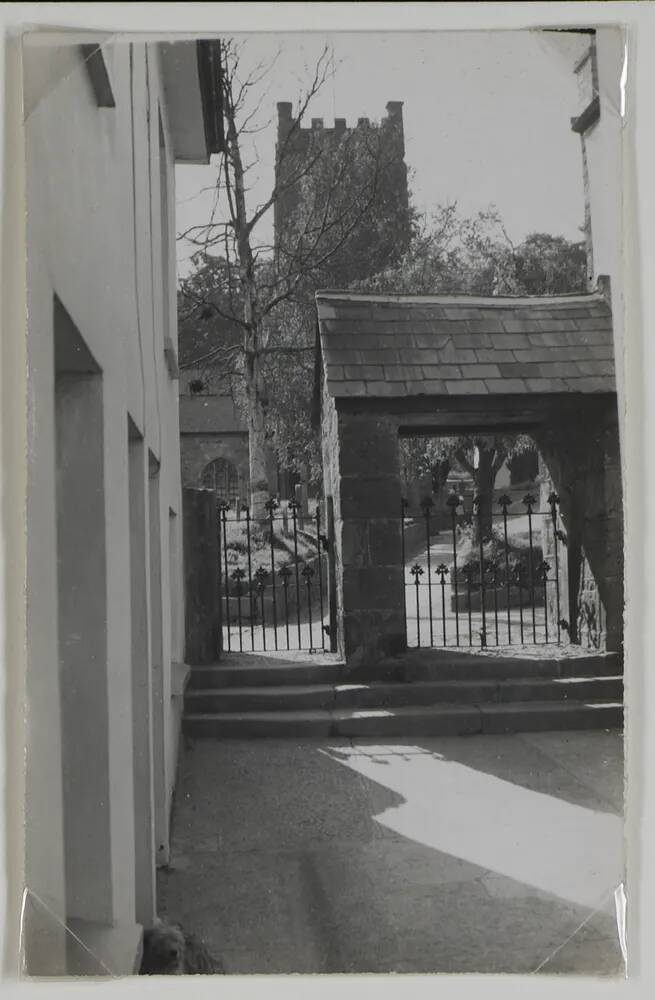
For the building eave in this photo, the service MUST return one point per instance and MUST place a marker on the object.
(210, 77)
(192, 85)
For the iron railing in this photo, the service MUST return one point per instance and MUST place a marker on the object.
(487, 580)
(273, 575)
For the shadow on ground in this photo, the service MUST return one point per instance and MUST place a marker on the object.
(489, 854)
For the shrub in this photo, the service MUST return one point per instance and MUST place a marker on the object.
(493, 551)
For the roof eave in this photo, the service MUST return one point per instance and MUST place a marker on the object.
(192, 87)
(210, 77)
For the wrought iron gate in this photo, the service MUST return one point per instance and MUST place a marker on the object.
(274, 575)
(488, 578)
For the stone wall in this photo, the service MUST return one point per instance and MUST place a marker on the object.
(197, 451)
(581, 452)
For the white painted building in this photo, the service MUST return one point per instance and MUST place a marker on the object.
(104, 126)
(598, 65)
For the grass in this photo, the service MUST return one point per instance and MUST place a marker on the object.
(260, 548)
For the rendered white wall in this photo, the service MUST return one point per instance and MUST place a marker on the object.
(95, 241)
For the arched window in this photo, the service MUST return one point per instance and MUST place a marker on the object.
(223, 476)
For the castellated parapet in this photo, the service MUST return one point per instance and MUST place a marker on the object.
(393, 122)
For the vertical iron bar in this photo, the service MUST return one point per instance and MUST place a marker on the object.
(250, 583)
(427, 503)
(294, 510)
(308, 576)
(495, 586)
(483, 634)
(453, 503)
(504, 502)
(529, 500)
(468, 600)
(442, 570)
(403, 506)
(520, 583)
(319, 544)
(545, 572)
(285, 573)
(238, 586)
(261, 574)
(227, 578)
(553, 500)
(417, 571)
(271, 505)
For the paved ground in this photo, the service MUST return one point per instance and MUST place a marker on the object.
(479, 854)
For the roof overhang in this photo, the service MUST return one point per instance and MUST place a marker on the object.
(192, 84)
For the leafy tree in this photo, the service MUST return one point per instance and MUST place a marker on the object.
(475, 256)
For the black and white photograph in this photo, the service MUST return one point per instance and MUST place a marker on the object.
(325, 503)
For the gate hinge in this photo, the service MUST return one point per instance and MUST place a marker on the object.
(327, 630)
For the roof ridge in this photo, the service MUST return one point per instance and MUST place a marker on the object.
(406, 298)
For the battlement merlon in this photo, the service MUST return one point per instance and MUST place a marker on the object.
(393, 119)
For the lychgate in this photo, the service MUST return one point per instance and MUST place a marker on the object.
(390, 365)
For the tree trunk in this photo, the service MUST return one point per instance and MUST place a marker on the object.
(259, 489)
(485, 479)
(255, 389)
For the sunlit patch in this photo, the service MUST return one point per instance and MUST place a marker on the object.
(372, 713)
(579, 680)
(536, 839)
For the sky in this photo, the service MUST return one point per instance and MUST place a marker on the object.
(486, 116)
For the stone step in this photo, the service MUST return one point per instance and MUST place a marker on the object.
(237, 670)
(436, 664)
(410, 721)
(272, 673)
(327, 696)
(284, 697)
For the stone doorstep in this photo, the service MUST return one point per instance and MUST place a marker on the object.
(301, 697)
(435, 720)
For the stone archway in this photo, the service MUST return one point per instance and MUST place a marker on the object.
(449, 365)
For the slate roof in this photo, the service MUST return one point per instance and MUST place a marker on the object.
(399, 345)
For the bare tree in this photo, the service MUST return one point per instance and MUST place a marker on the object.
(256, 278)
